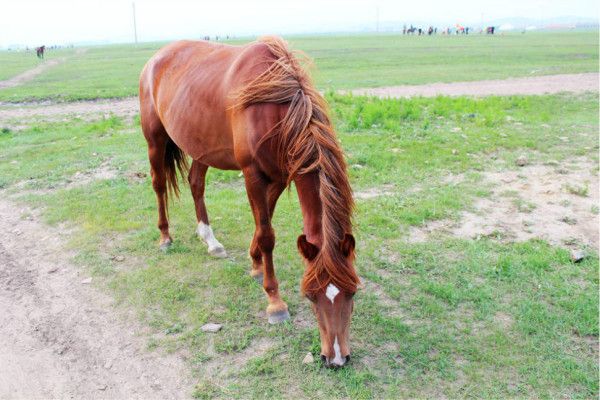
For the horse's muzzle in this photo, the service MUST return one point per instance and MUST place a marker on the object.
(329, 363)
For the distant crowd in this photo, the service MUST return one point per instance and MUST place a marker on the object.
(456, 30)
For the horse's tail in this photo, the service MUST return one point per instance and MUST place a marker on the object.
(175, 159)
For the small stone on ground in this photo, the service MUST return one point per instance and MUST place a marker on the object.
(87, 281)
(210, 327)
(577, 255)
(521, 161)
(308, 359)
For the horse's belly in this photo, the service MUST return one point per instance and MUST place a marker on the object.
(221, 159)
(215, 150)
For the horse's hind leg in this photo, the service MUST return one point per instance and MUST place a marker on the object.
(197, 184)
(157, 138)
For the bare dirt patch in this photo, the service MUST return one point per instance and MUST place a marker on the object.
(80, 179)
(59, 336)
(575, 83)
(103, 172)
(371, 193)
(557, 203)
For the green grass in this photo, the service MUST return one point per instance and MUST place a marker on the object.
(15, 62)
(446, 318)
(341, 62)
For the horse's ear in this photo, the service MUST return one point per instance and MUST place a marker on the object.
(306, 248)
(347, 245)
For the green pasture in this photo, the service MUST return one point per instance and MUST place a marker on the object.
(341, 62)
(446, 318)
(13, 63)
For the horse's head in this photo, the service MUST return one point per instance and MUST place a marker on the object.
(331, 304)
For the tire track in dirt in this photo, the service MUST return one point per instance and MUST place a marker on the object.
(60, 337)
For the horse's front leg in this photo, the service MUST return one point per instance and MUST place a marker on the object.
(274, 190)
(257, 187)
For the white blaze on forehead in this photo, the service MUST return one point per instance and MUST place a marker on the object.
(338, 354)
(331, 292)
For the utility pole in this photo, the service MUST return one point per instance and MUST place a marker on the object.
(134, 24)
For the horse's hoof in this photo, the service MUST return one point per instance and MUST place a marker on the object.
(164, 247)
(218, 252)
(279, 317)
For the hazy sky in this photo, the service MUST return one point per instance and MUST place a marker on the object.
(35, 22)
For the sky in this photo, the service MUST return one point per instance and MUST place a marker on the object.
(30, 22)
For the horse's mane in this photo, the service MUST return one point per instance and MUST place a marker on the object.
(306, 143)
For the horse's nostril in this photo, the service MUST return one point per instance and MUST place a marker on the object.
(323, 358)
(348, 358)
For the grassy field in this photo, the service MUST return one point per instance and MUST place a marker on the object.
(448, 317)
(13, 63)
(342, 62)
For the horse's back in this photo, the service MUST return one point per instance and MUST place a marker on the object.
(188, 85)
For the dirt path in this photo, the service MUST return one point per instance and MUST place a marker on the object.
(50, 111)
(59, 336)
(12, 114)
(30, 74)
(534, 85)
(129, 107)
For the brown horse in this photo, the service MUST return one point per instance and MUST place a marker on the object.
(39, 51)
(254, 108)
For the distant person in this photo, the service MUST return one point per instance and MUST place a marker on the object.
(404, 30)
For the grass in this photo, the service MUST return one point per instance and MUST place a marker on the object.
(342, 62)
(16, 62)
(579, 190)
(445, 318)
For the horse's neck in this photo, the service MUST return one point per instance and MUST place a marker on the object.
(308, 193)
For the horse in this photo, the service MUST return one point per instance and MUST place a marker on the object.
(39, 51)
(254, 108)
